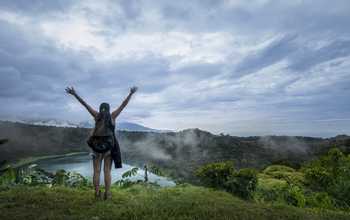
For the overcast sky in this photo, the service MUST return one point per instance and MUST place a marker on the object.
(240, 67)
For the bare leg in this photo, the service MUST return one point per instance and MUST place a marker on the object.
(107, 173)
(97, 160)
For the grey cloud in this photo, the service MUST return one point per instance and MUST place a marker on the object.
(34, 70)
(35, 7)
(308, 57)
(34, 73)
(274, 52)
(131, 8)
(10, 78)
(199, 71)
(301, 57)
(154, 70)
(245, 18)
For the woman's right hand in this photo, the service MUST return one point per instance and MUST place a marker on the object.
(71, 90)
(133, 89)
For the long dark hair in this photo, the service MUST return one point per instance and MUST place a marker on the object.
(105, 114)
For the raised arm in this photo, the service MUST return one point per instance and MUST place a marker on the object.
(72, 92)
(116, 112)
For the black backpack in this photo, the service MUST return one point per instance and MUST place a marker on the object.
(103, 139)
(101, 144)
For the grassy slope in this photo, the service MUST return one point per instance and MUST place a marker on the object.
(140, 202)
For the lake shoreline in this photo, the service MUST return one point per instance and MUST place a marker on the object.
(29, 160)
(81, 162)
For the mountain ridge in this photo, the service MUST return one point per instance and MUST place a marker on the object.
(179, 153)
(123, 125)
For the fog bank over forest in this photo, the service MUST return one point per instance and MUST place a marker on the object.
(178, 152)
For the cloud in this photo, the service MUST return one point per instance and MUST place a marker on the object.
(310, 57)
(275, 51)
(239, 67)
(292, 144)
(35, 7)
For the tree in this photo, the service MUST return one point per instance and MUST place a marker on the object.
(331, 173)
(215, 174)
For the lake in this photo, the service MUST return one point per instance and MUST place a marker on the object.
(82, 164)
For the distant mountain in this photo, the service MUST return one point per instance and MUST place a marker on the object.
(126, 126)
(50, 122)
(86, 124)
(129, 126)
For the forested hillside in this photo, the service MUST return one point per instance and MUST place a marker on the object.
(178, 153)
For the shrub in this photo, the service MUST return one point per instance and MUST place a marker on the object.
(270, 189)
(318, 178)
(71, 179)
(280, 191)
(75, 179)
(285, 173)
(215, 174)
(8, 177)
(60, 177)
(295, 196)
(277, 168)
(223, 176)
(320, 200)
(242, 183)
(32, 175)
(341, 191)
(130, 173)
(331, 174)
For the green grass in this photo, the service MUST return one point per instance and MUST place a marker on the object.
(143, 202)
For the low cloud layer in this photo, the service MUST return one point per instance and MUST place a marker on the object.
(239, 67)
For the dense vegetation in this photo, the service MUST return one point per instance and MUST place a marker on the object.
(143, 202)
(32, 193)
(323, 183)
(272, 184)
(179, 154)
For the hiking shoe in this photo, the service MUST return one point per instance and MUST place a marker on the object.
(98, 195)
(107, 195)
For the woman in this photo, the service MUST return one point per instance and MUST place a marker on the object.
(103, 141)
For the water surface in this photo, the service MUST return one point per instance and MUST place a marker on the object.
(82, 164)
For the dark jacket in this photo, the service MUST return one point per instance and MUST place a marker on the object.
(115, 153)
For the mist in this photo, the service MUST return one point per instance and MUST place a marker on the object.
(284, 143)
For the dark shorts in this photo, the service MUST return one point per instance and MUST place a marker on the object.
(95, 154)
(101, 144)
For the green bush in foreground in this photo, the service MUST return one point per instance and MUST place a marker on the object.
(242, 183)
(279, 191)
(34, 176)
(222, 175)
(216, 174)
(8, 177)
(323, 183)
(281, 184)
(331, 174)
(270, 190)
(295, 196)
(285, 173)
(320, 200)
